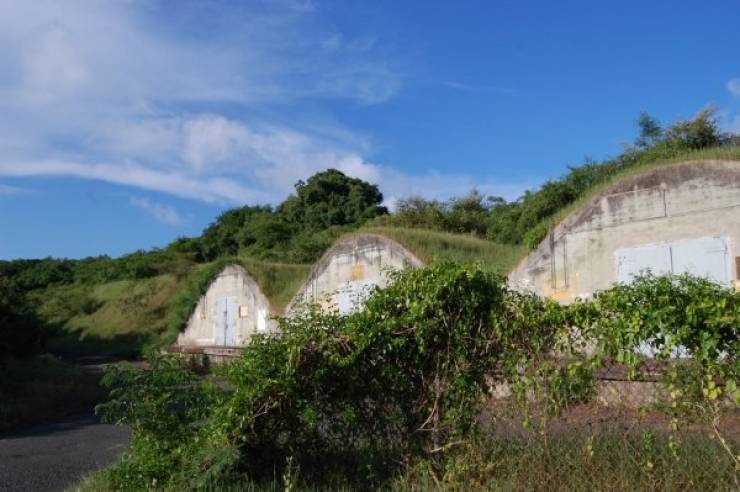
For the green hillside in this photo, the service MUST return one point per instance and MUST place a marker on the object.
(115, 318)
(119, 316)
(119, 305)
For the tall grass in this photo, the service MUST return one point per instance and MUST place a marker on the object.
(278, 281)
(433, 245)
(606, 461)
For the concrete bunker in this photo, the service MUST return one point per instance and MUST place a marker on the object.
(348, 272)
(232, 310)
(677, 218)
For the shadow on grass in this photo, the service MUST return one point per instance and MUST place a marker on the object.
(43, 389)
(74, 345)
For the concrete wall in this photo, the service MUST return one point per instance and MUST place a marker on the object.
(252, 311)
(346, 273)
(670, 210)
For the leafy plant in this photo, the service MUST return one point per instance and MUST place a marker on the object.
(351, 401)
(163, 405)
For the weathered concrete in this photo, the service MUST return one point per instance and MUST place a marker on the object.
(233, 298)
(683, 218)
(350, 270)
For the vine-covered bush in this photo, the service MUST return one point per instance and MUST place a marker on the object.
(688, 325)
(355, 400)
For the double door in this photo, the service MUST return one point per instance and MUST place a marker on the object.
(225, 321)
(705, 257)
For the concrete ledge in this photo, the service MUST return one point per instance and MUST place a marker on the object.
(215, 354)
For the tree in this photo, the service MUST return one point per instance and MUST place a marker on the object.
(698, 133)
(468, 214)
(226, 235)
(331, 198)
(650, 130)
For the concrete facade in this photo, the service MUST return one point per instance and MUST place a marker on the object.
(350, 270)
(229, 313)
(676, 218)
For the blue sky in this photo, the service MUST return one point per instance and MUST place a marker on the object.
(125, 124)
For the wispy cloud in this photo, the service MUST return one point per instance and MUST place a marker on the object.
(11, 190)
(207, 111)
(166, 214)
(733, 85)
(461, 86)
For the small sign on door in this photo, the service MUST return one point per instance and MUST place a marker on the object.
(243, 311)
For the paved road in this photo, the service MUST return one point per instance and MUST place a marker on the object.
(54, 456)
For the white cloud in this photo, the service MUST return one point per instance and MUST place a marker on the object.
(206, 111)
(165, 214)
(734, 87)
(212, 190)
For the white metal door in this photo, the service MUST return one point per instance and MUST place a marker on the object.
(351, 295)
(632, 261)
(225, 321)
(704, 257)
(230, 327)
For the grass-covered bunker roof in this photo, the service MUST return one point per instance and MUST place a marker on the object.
(678, 217)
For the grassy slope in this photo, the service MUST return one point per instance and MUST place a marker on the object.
(121, 317)
(433, 245)
(279, 281)
(115, 318)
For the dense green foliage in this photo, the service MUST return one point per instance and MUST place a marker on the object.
(300, 228)
(34, 274)
(401, 385)
(526, 219)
